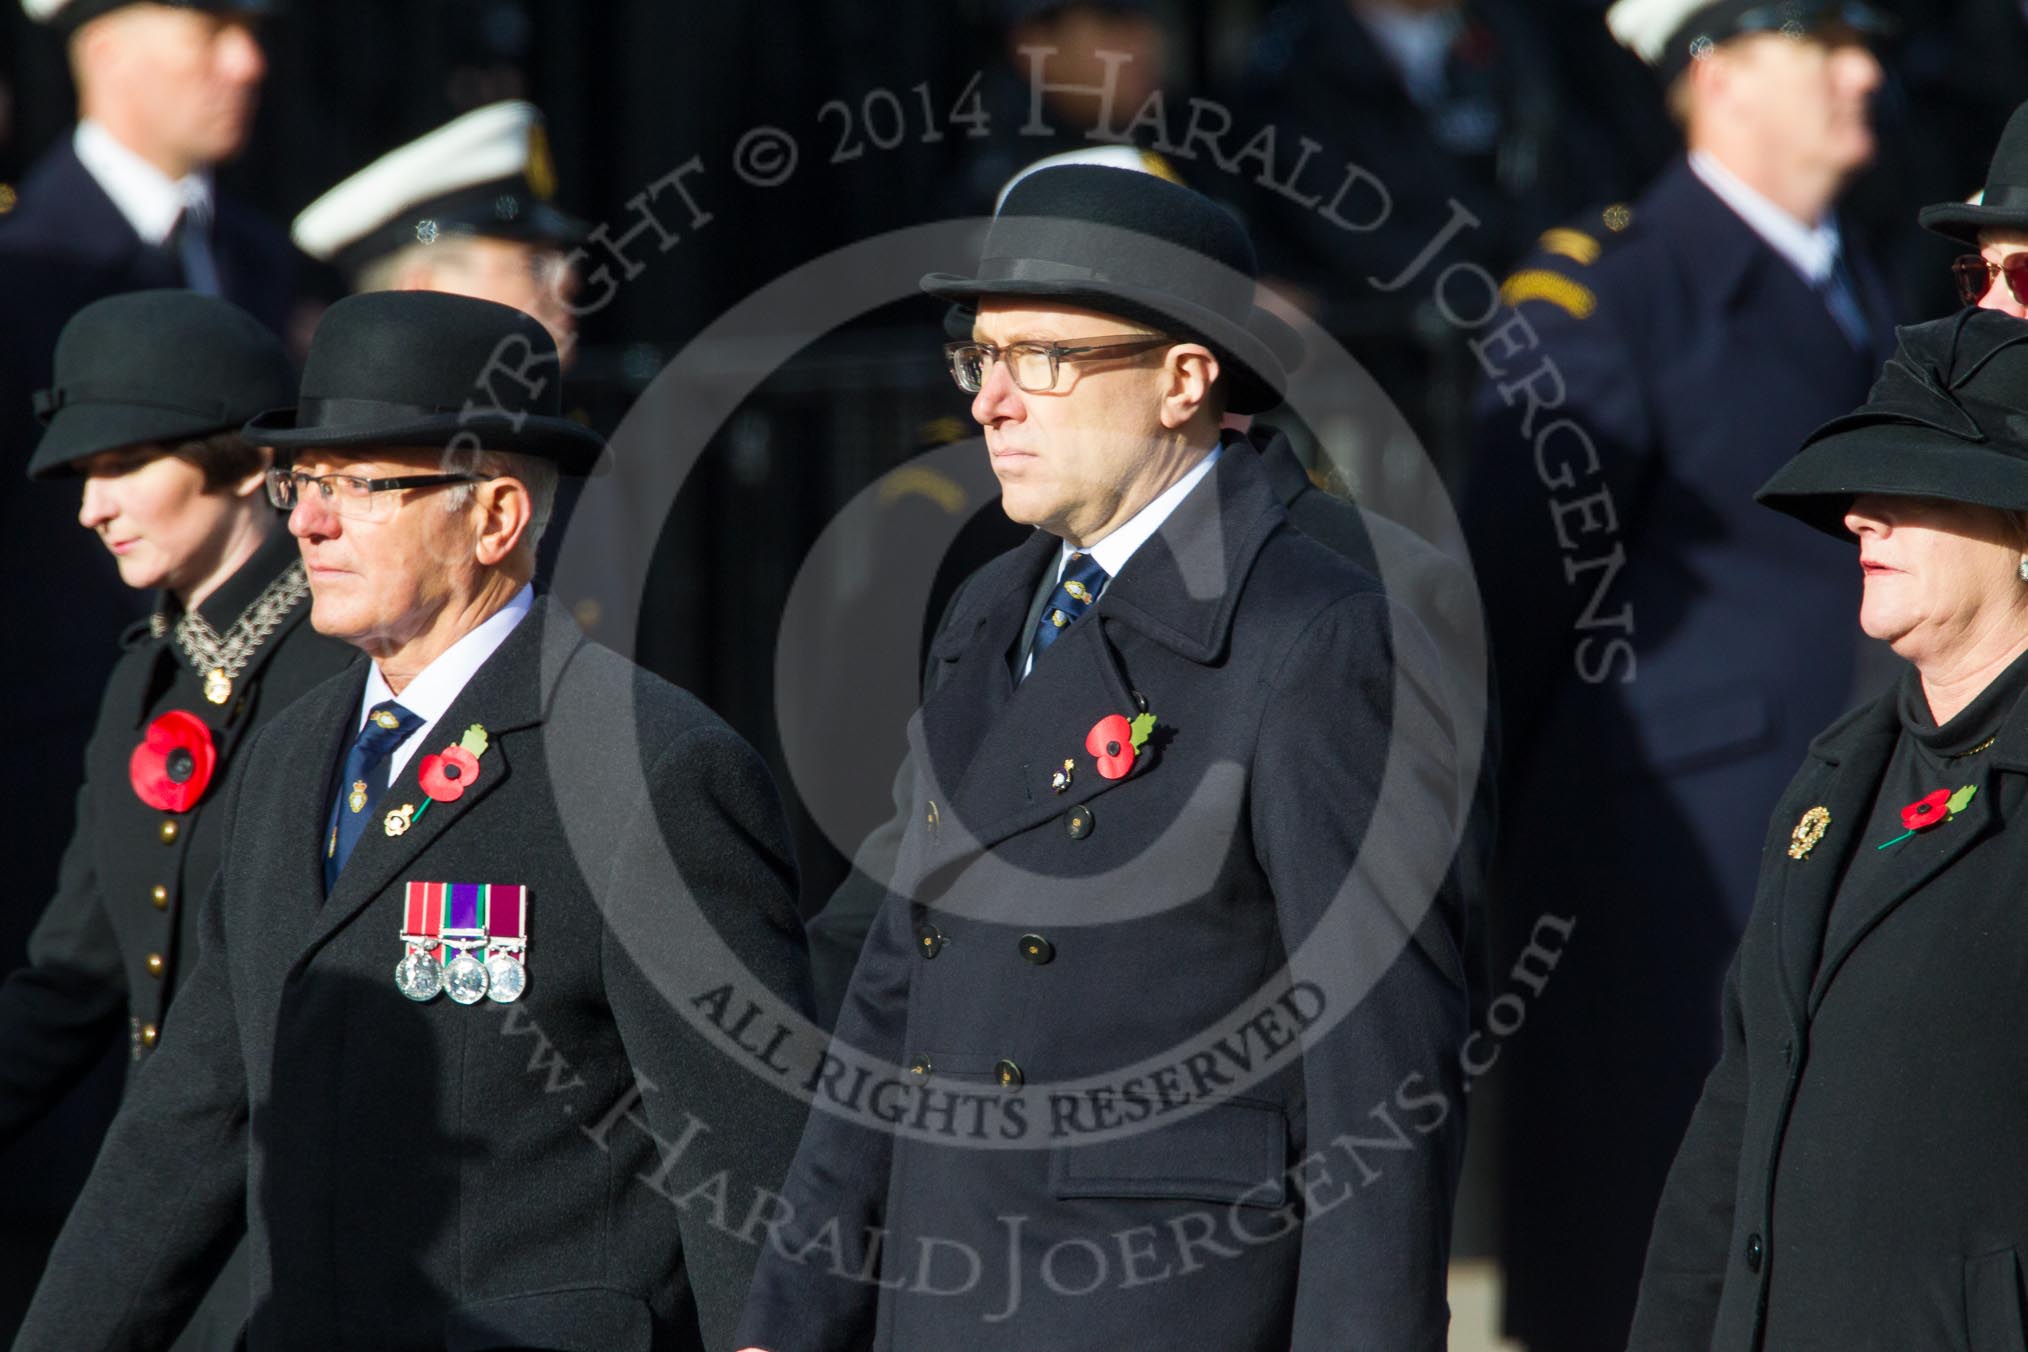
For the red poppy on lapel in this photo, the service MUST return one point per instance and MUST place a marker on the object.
(1927, 810)
(446, 775)
(1111, 741)
(172, 766)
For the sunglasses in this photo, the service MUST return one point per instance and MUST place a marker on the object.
(1975, 276)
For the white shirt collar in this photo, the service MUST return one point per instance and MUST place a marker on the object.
(431, 694)
(1113, 552)
(1810, 250)
(149, 199)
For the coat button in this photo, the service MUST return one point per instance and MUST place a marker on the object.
(929, 941)
(150, 1034)
(1079, 822)
(1007, 1073)
(1036, 949)
(1753, 1252)
(169, 830)
(1788, 1051)
(920, 1067)
(159, 895)
(155, 964)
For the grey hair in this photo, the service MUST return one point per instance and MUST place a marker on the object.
(537, 475)
(386, 272)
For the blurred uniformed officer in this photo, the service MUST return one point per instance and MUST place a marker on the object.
(151, 389)
(1080, 895)
(465, 209)
(1665, 652)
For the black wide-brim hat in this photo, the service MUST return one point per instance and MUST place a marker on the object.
(1948, 419)
(154, 368)
(2004, 202)
(1137, 246)
(425, 369)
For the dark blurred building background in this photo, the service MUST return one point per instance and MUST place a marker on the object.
(1528, 116)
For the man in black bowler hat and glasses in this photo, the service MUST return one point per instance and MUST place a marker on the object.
(492, 840)
(1171, 928)
(1995, 222)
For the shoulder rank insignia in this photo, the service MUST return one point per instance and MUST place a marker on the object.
(1572, 297)
(1575, 245)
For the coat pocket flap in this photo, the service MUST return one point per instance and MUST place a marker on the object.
(1235, 1151)
(582, 1319)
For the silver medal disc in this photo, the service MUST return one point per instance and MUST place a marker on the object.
(419, 976)
(506, 978)
(465, 979)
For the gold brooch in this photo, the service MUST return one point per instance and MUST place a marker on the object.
(398, 820)
(1809, 831)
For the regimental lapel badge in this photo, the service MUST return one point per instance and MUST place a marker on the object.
(1809, 831)
(444, 776)
(445, 924)
(1060, 781)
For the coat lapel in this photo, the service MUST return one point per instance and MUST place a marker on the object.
(507, 694)
(1851, 756)
(1179, 589)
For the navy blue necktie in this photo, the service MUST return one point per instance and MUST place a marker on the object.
(363, 780)
(192, 238)
(1082, 582)
(1841, 297)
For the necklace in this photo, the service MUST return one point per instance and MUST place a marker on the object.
(1960, 755)
(219, 658)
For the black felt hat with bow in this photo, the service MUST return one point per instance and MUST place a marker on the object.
(1947, 419)
(2003, 204)
(154, 368)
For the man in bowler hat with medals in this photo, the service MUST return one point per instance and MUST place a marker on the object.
(434, 1056)
(1179, 781)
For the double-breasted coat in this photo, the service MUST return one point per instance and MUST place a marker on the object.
(565, 1172)
(119, 937)
(1124, 1031)
(1856, 1173)
(1666, 649)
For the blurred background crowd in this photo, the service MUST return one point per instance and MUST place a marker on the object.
(1526, 115)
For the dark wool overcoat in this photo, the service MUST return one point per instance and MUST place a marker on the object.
(1135, 1036)
(566, 1172)
(119, 937)
(1855, 1176)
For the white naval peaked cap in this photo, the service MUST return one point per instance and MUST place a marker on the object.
(487, 172)
(1645, 26)
(72, 14)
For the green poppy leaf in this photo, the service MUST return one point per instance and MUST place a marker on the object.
(474, 740)
(1143, 724)
(1962, 797)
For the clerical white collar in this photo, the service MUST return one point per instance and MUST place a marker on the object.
(1119, 545)
(1810, 250)
(430, 695)
(151, 201)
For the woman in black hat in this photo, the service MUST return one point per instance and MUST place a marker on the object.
(150, 391)
(1856, 1174)
(1995, 223)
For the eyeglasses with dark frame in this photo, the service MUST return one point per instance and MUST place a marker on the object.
(1975, 276)
(352, 495)
(1033, 366)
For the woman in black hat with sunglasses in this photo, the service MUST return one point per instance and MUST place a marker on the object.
(1856, 1173)
(150, 391)
(1995, 222)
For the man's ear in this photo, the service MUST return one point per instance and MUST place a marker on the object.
(505, 511)
(255, 480)
(1189, 370)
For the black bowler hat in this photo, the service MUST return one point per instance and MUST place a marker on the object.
(2004, 203)
(424, 368)
(148, 367)
(1947, 419)
(67, 16)
(1137, 246)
